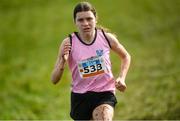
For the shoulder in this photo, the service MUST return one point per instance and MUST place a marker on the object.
(112, 38)
(107, 33)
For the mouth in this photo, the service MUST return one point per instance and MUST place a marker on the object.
(87, 29)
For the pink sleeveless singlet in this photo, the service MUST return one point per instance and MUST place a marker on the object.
(90, 64)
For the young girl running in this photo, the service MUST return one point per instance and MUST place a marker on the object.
(87, 54)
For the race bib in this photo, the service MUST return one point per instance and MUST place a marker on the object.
(91, 67)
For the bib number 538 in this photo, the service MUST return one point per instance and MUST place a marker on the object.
(92, 68)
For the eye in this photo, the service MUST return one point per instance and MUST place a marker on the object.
(89, 19)
(80, 20)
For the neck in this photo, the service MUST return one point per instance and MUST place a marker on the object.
(87, 38)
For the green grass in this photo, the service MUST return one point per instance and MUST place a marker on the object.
(30, 34)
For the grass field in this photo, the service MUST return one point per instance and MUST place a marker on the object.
(30, 34)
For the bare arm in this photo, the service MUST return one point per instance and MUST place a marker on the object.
(124, 56)
(61, 61)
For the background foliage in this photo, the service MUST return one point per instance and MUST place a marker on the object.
(30, 34)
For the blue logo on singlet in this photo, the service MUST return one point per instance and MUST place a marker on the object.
(90, 63)
(99, 52)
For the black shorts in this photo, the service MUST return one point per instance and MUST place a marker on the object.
(82, 105)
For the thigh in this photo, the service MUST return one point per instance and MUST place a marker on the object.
(103, 112)
(79, 107)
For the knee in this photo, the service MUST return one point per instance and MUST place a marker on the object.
(103, 112)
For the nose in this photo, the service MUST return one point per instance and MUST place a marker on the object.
(85, 22)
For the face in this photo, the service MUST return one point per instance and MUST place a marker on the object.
(85, 22)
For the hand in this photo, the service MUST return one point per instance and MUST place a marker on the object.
(66, 50)
(120, 84)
